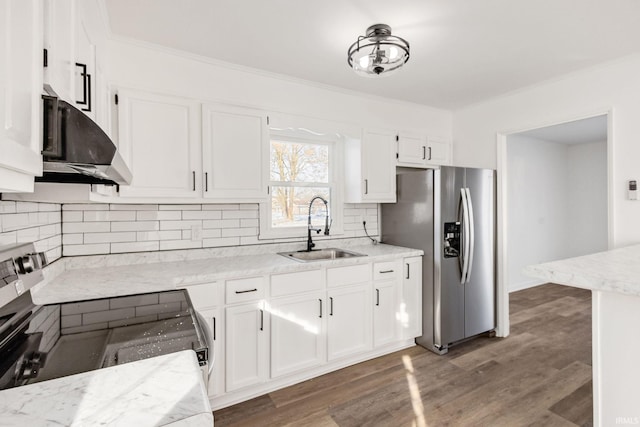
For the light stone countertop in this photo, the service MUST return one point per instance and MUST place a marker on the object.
(101, 279)
(158, 391)
(617, 270)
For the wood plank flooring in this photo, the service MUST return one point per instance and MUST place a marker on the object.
(539, 376)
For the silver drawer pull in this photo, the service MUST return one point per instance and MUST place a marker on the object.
(386, 271)
(247, 291)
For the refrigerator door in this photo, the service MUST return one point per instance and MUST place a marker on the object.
(480, 287)
(449, 291)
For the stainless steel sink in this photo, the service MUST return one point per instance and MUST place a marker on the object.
(320, 254)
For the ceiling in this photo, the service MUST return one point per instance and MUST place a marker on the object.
(593, 129)
(462, 51)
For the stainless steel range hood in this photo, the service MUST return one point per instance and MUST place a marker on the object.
(76, 149)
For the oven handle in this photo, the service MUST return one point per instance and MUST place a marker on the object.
(208, 342)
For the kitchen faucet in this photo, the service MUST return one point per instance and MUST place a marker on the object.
(310, 228)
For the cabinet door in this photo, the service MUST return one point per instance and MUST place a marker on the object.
(159, 138)
(438, 151)
(412, 150)
(20, 89)
(411, 301)
(60, 35)
(349, 321)
(385, 312)
(234, 152)
(213, 323)
(246, 350)
(379, 167)
(297, 338)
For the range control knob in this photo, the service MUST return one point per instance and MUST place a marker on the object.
(25, 264)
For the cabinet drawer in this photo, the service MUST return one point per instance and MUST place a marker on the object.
(295, 283)
(386, 270)
(352, 274)
(247, 289)
(205, 295)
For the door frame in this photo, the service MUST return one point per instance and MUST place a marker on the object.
(502, 303)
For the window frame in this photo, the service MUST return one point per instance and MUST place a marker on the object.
(304, 136)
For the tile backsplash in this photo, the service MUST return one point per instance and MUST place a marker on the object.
(92, 229)
(32, 222)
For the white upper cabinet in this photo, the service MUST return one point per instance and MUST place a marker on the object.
(159, 138)
(234, 146)
(370, 171)
(20, 90)
(416, 150)
(60, 41)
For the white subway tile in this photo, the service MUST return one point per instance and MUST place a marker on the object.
(123, 236)
(28, 234)
(26, 207)
(135, 226)
(133, 321)
(249, 223)
(72, 216)
(118, 207)
(71, 321)
(134, 247)
(209, 233)
(95, 249)
(54, 254)
(249, 206)
(166, 245)
(233, 232)
(49, 207)
(47, 231)
(11, 222)
(8, 238)
(110, 215)
(158, 215)
(221, 223)
(54, 217)
(239, 214)
(144, 236)
(166, 297)
(72, 239)
(7, 207)
(85, 227)
(219, 207)
(85, 207)
(178, 225)
(186, 235)
(180, 207)
(201, 215)
(228, 241)
(251, 240)
(85, 328)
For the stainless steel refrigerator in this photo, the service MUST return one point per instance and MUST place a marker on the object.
(449, 213)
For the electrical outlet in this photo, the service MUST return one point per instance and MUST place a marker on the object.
(196, 233)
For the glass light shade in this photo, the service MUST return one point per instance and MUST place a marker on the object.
(378, 53)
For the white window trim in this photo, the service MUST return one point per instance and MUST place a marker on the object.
(336, 205)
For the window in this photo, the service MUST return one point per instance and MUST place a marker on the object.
(301, 167)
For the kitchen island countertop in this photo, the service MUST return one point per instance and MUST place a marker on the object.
(154, 392)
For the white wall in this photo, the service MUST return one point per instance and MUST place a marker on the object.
(614, 87)
(587, 198)
(538, 208)
(556, 201)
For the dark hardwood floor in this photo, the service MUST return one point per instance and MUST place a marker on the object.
(539, 376)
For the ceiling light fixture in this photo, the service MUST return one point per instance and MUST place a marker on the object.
(378, 52)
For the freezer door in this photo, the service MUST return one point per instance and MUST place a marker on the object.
(480, 287)
(449, 295)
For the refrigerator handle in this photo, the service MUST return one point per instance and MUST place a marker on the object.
(472, 243)
(465, 236)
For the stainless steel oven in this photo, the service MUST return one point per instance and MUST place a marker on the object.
(39, 343)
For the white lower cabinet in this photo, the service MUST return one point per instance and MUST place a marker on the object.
(247, 345)
(385, 312)
(297, 333)
(349, 321)
(410, 317)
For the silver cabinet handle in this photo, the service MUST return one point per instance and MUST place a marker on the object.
(214, 328)
(319, 299)
(247, 291)
(366, 186)
(193, 174)
(386, 271)
(377, 297)
(408, 270)
(262, 320)
(424, 152)
(206, 181)
(429, 153)
(330, 306)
